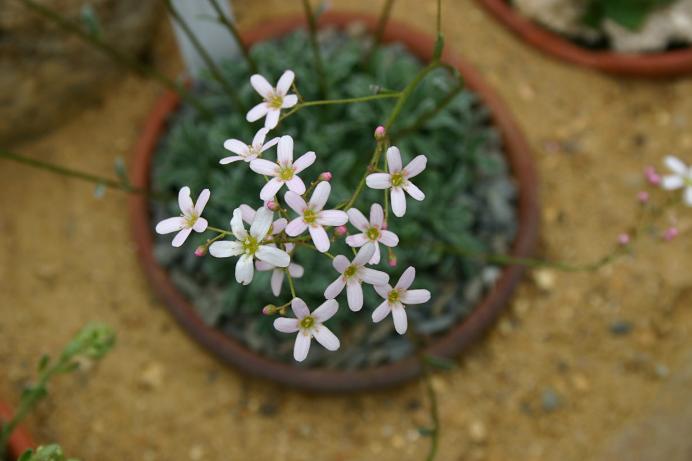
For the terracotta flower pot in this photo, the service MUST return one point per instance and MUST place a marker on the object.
(448, 345)
(664, 64)
(20, 441)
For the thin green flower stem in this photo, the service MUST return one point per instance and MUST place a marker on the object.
(434, 415)
(290, 283)
(116, 55)
(379, 31)
(403, 97)
(426, 116)
(221, 17)
(220, 231)
(324, 102)
(211, 65)
(319, 67)
(297, 92)
(310, 245)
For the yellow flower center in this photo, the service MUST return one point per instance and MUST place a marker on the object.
(393, 296)
(397, 179)
(250, 245)
(350, 271)
(275, 101)
(191, 220)
(309, 216)
(373, 233)
(307, 322)
(286, 172)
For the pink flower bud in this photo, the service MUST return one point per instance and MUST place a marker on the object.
(380, 133)
(623, 239)
(341, 230)
(269, 309)
(272, 205)
(643, 197)
(201, 250)
(325, 176)
(392, 261)
(670, 233)
(652, 176)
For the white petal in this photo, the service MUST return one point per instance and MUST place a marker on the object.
(295, 201)
(286, 325)
(257, 112)
(688, 196)
(202, 201)
(415, 296)
(285, 82)
(378, 181)
(262, 166)
(296, 270)
(304, 161)
(675, 165)
(276, 281)
(185, 201)
(170, 225)
(400, 320)
(225, 249)
(319, 238)
(237, 226)
(340, 263)
(231, 159)
(334, 288)
(273, 255)
(320, 196)
(200, 225)
(258, 139)
(354, 295)
(376, 256)
(264, 267)
(270, 189)
(289, 101)
(181, 236)
(358, 219)
(261, 85)
(383, 290)
(414, 191)
(415, 166)
(671, 182)
(279, 225)
(301, 346)
(324, 336)
(285, 151)
(394, 159)
(364, 255)
(247, 213)
(261, 224)
(398, 202)
(300, 309)
(357, 240)
(389, 238)
(236, 146)
(381, 312)
(376, 215)
(332, 218)
(325, 311)
(406, 278)
(272, 118)
(244, 270)
(373, 277)
(296, 227)
(269, 144)
(296, 185)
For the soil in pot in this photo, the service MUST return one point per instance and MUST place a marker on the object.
(470, 196)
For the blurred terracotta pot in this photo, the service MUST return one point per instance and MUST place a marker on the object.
(449, 344)
(20, 441)
(651, 65)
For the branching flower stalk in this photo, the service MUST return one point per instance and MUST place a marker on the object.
(317, 54)
(221, 18)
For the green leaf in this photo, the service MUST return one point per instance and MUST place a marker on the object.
(90, 20)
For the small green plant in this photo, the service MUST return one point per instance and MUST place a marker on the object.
(630, 14)
(91, 343)
(51, 452)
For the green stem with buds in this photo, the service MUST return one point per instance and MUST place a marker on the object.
(221, 17)
(325, 102)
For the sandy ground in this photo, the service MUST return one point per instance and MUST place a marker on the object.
(551, 382)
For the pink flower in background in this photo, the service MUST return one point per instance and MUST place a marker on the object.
(680, 179)
(285, 171)
(191, 218)
(312, 216)
(398, 180)
(373, 231)
(396, 299)
(275, 99)
(248, 152)
(294, 270)
(353, 274)
(309, 325)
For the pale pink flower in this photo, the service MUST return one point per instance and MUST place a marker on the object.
(190, 218)
(670, 233)
(680, 179)
(624, 239)
(248, 152)
(353, 274)
(309, 325)
(275, 99)
(313, 217)
(380, 133)
(248, 215)
(285, 171)
(250, 245)
(398, 180)
(396, 299)
(373, 231)
(277, 279)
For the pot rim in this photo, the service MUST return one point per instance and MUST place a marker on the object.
(451, 343)
(663, 64)
(20, 440)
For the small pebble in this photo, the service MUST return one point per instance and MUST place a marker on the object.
(621, 327)
(545, 279)
(151, 377)
(550, 401)
(478, 432)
